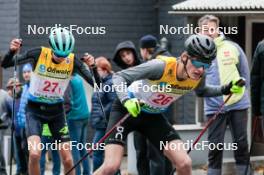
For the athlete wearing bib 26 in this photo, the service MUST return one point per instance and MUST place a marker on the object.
(52, 70)
(170, 78)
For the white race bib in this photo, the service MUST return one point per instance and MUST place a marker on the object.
(47, 88)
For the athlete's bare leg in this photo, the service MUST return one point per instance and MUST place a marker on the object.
(179, 157)
(34, 155)
(112, 161)
(66, 157)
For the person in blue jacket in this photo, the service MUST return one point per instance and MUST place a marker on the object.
(98, 119)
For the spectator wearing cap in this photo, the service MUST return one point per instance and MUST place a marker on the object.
(150, 49)
(27, 69)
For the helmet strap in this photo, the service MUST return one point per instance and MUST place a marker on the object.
(184, 66)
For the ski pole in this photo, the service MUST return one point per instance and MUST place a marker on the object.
(100, 141)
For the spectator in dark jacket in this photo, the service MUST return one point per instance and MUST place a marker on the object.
(100, 117)
(20, 140)
(150, 49)
(257, 81)
(257, 87)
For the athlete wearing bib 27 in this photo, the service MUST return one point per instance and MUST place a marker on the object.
(52, 70)
(175, 78)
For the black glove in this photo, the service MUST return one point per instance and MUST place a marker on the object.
(234, 86)
(226, 88)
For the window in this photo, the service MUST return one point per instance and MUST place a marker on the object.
(188, 110)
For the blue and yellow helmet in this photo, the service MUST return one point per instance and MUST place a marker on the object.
(61, 42)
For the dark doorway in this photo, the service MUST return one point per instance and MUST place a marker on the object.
(238, 38)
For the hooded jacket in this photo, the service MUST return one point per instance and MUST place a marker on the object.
(125, 45)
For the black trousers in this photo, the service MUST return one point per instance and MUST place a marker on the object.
(155, 127)
(237, 121)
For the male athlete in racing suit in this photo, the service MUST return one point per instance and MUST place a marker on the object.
(52, 70)
(158, 83)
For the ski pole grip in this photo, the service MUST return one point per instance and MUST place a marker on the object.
(141, 102)
(241, 82)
